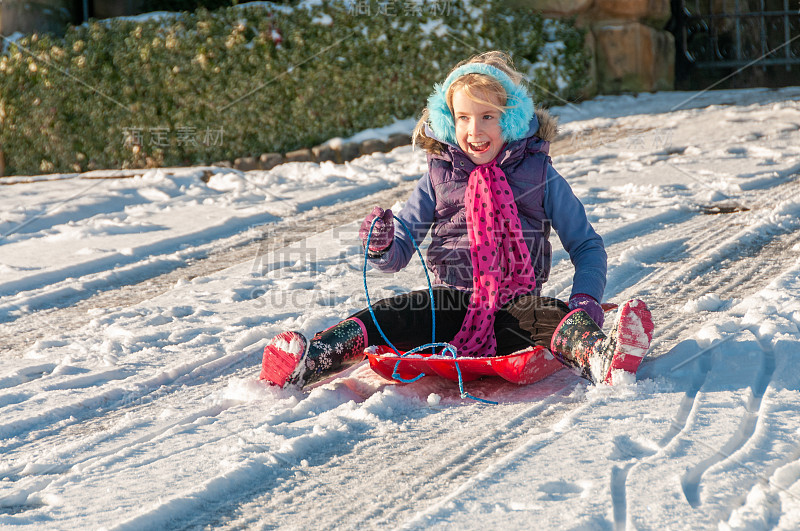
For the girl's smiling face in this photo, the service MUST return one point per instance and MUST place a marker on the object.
(477, 127)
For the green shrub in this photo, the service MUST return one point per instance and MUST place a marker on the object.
(194, 88)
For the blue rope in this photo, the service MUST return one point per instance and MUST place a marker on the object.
(447, 347)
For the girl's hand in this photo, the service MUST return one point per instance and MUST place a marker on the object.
(382, 233)
(587, 303)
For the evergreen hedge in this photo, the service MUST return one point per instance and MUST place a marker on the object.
(194, 88)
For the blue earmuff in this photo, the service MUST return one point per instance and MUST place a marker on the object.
(514, 122)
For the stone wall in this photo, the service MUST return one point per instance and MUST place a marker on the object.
(338, 152)
(632, 52)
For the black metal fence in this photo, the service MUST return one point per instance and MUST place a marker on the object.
(736, 43)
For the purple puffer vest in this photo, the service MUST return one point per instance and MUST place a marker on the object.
(525, 163)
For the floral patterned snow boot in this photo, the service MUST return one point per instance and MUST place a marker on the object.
(579, 343)
(289, 359)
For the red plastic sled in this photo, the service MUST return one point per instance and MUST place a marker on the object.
(521, 368)
(524, 367)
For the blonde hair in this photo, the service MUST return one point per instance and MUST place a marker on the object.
(477, 87)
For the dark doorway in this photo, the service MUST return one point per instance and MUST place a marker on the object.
(736, 43)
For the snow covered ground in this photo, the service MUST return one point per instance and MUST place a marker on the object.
(149, 415)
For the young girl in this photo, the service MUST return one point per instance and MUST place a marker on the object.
(490, 198)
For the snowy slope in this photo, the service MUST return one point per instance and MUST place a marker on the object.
(149, 415)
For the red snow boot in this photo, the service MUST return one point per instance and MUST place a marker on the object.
(281, 357)
(290, 360)
(578, 342)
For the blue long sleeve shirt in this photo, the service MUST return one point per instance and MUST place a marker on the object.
(564, 210)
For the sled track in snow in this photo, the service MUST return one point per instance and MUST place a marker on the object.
(462, 463)
(116, 396)
(99, 437)
(689, 408)
(704, 255)
(68, 314)
(738, 271)
(690, 482)
(330, 501)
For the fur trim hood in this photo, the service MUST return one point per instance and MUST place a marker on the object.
(547, 128)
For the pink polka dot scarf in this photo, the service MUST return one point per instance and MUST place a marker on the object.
(501, 260)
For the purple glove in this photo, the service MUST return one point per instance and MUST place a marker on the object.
(587, 303)
(382, 232)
